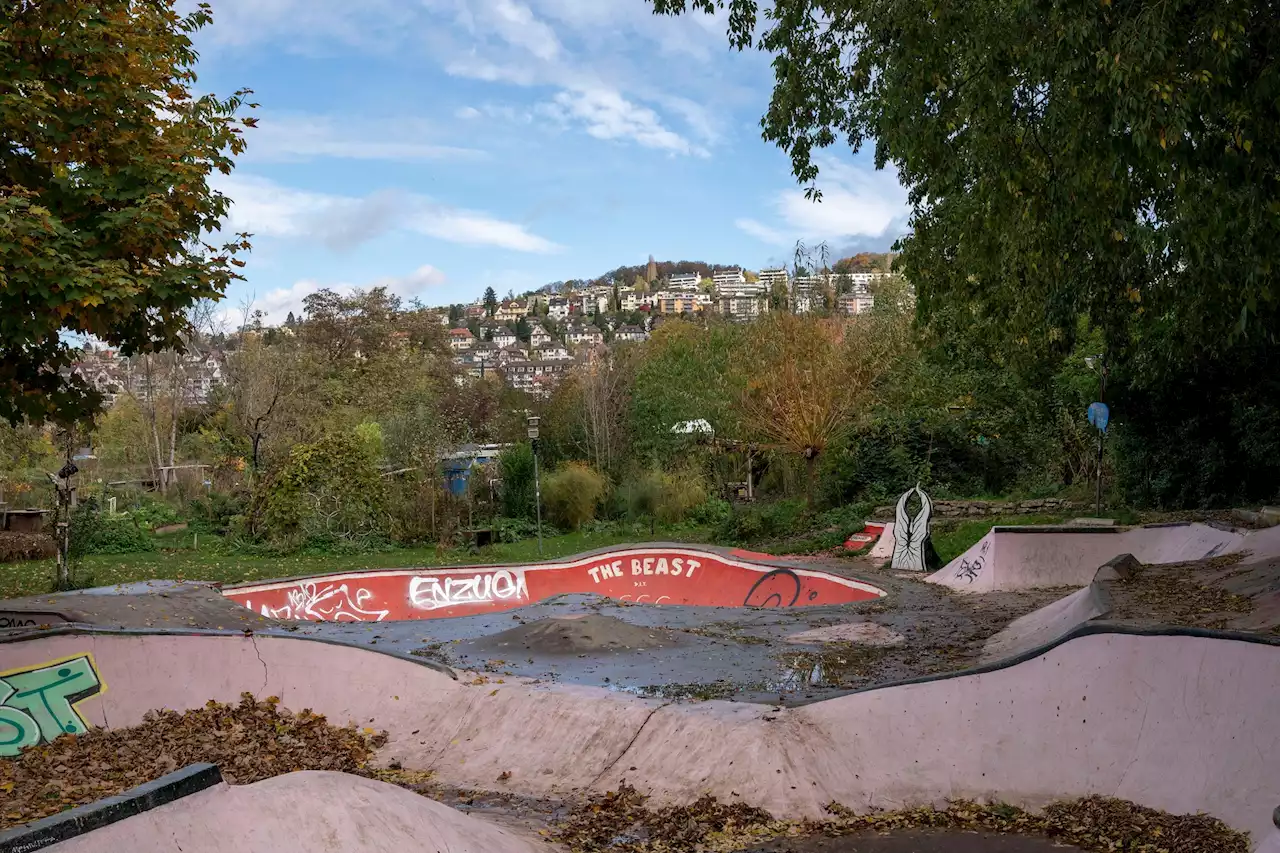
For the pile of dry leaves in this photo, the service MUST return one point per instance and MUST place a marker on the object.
(249, 741)
(620, 822)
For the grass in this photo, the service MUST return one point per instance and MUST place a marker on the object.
(177, 560)
(952, 538)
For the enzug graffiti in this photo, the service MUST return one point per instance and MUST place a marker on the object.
(39, 703)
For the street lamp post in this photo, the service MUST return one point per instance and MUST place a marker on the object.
(537, 485)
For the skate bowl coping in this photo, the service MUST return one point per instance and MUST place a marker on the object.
(657, 573)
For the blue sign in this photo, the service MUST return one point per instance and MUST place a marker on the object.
(1099, 416)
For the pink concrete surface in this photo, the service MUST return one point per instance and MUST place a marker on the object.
(1173, 722)
(1025, 558)
(305, 812)
(1041, 627)
(883, 549)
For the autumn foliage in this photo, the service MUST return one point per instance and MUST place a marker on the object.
(105, 201)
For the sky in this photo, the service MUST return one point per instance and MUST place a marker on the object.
(439, 147)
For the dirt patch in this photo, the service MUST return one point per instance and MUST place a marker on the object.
(858, 633)
(250, 741)
(578, 635)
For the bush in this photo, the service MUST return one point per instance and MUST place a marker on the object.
(572, 493)
(515, 467)
(420, 509)
(517, 529)
(149, 512)
(96, 532)
(755, 522)
(642, 495)
(213, 512)
(681, 491)
(326, 491)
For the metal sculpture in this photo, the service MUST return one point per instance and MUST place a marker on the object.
(912, 548)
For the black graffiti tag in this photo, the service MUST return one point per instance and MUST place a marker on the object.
(778, 588)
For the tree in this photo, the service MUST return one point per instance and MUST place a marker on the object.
(104, 191)
(805, 380)
(490, 301)
(1107, 159)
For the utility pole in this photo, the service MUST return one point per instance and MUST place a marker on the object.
(533, 421)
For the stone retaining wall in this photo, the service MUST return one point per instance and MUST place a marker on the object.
(980, 509)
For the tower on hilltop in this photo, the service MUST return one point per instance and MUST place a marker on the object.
(652, 272)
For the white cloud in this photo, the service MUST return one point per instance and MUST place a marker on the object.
(856, 202)
(517, 26)
(606, 114)
(277, 304)
(467, 113)
(265, 208)
(761, 232)
(477, 229)
(304, 137)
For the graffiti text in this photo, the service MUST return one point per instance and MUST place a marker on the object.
(433, 593)
(38, 704)
(331, 603)
(675, 567)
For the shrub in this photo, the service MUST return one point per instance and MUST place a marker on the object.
(572, 493)
(213, 512)
(642, 496)
(515, 467)
(420, 509)
(681, 491)
(326, 491)
(96, 532)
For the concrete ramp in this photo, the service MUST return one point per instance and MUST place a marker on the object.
(1179, 720)
(1031, 557)
(657, 573)
(313, 811)
(1048, 624)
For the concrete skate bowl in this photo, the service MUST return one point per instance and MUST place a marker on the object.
(653, 574)
(1030, 557)
(1179, 720)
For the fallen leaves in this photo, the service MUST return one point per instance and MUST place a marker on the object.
(620, 822)
(249, 741)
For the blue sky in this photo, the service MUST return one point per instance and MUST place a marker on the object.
(442, 146)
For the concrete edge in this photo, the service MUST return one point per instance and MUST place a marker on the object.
(274, 633)
(720, 551)
(1086, 629)
(1055, 528)
(84, 819)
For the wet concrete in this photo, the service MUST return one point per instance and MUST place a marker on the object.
(732, 653)
(916, 841)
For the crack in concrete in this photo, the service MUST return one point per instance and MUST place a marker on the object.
(253, 639)
(630, 743)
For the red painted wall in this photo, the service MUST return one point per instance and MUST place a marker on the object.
(641, 575)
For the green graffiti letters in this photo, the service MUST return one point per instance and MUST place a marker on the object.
(39, 704)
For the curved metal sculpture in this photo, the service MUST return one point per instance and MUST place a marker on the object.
(912, 548)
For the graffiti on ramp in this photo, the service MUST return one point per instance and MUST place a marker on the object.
(662, 575)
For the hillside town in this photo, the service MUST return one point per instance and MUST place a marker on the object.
(531, 342)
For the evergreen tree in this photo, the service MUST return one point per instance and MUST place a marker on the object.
(490, 301)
